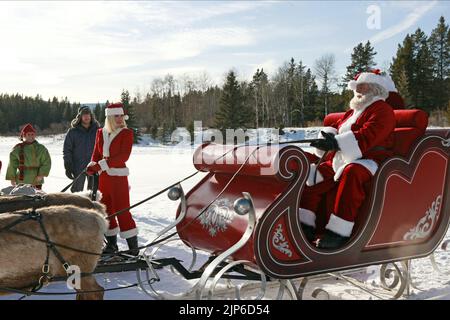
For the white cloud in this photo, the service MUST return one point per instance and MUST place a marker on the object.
(52, 43)
(411, 19)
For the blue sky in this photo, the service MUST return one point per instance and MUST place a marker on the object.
(88, 51)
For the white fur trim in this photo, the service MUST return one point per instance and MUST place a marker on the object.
(129, 233)
(349, 146)
(108, 139)
(103, 164)
(114, 111)
(347, 125)
(312, 171)
(90, 164)
(340, 226)
(338, 165)
(332, 130)
(112, 232)
(389, 84)
(99, 196)
(119, 172)
(369, 164)
(319, 152)
(367, 77)
(307, 217)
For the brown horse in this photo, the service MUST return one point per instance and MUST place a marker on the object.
(9, 203)
(69, 220)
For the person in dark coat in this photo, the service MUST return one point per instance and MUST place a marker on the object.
(78, 146)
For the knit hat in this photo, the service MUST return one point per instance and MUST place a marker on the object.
(26, 129)
(84, 110)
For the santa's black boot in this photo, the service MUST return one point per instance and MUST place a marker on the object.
(310, 232)
(133, 246)
(111, 245)
(331, 241)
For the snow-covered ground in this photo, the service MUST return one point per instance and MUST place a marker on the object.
(153, 167)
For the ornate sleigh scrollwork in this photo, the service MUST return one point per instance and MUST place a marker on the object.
(279, 241)
(426, 223)
(214, 265)
(446, 142)
(218, 216)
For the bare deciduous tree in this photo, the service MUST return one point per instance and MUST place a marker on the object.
(324, 69)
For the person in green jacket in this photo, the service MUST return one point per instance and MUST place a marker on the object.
(29, 161)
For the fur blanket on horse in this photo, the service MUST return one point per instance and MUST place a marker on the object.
(70, 220)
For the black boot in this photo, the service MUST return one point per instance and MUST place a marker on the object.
(133, 246)
(310, 232)
(331, 241)
(111, 245)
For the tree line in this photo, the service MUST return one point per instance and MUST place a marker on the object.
(294, 95)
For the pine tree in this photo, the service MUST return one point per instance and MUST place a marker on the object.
(402, 86)
(131, 122)
(98, 111)
(422, 94)
(439, 43)
(362, 60)
(233, 113)
(402, 66)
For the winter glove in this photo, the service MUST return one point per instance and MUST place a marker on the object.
(93, 169)
(69, 170)
(329, 143)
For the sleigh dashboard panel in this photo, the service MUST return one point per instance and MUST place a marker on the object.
(267, 173)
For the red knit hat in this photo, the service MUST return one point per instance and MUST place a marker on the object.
(27, 128)
(115, 109)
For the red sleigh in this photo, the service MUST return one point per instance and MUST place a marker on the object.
(406, 215)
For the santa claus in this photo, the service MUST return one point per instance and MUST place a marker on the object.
(112, 149)
(356, 144)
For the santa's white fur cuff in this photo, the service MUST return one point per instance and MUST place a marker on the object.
(307, 217)
(349, 146)
(340, 226)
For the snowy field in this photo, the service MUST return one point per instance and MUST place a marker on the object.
(153, 167)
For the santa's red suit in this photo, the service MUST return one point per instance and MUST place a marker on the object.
(365, 138)
(111, 152)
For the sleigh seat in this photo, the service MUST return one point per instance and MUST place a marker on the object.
(410, 126)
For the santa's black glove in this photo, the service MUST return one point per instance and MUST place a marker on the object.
(69, 170)
(329, 143)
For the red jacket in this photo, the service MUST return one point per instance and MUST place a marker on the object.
(366, 138)
(111, 152)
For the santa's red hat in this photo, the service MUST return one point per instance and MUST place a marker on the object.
(26, 129)
(374, 76)
(115, 109)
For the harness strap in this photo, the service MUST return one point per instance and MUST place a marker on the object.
(51, 246)
(46, 276)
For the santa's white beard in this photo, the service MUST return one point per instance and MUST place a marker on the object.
(361, 101)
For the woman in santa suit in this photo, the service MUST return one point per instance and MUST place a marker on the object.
(112, 149)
